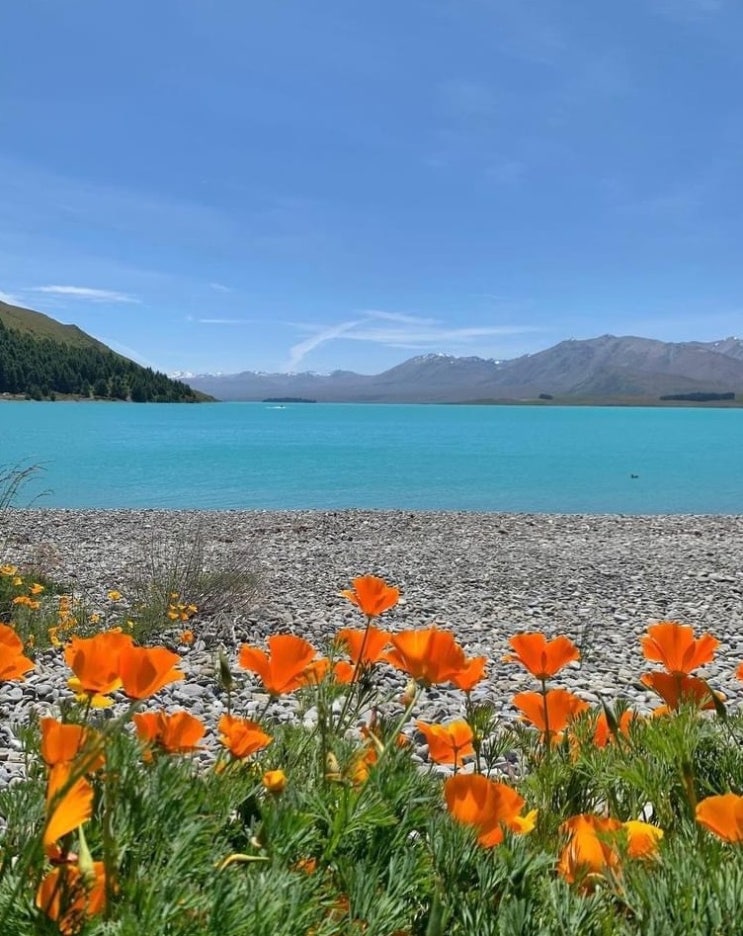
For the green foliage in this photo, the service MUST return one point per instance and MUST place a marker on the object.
(360, 841)
(12, 481)
(695, 888)
(389, 859)
(38, 367)
(221, 586)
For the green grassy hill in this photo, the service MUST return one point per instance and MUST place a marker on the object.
(40, 358)
(39, 325)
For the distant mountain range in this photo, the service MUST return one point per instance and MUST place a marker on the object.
(605, 369)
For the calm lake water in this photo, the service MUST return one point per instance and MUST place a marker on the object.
(257, 456)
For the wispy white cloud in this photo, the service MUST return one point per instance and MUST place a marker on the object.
(684, 10)
(129, 352)
(299, 351)
(224, 321)
(9, 298)
(437, 335)
(493, 297)
(220, 287)
(86, 292)
(403, 331)
(397, 317)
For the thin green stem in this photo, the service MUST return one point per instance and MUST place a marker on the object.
(476, 738)
(398, 727)
(108, 842)
(547, 738)
(262, 714)
(355, 675)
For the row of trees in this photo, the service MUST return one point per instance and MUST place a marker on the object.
(41, 368)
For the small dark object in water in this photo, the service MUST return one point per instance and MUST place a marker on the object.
(634, 476)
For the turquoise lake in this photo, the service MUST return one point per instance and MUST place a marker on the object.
(332, 456)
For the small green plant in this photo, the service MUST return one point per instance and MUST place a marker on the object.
(179, 573)
(12, 482)
(13, 479)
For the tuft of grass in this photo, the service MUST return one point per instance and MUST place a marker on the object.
(181, 570)
(13, 479)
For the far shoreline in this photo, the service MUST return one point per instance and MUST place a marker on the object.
(561, 402)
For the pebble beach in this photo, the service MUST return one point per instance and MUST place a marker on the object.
(598, 579)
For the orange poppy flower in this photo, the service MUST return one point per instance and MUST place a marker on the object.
(69, 802)
(739, 671)
(282, 670)
(642, 838)
(431, 655)
(364, 645)
(562, 708)
(345, 672)
(69, 897)
(372, 595)
(677, 688)
(9, 639)
(315, 672)
(448, 744)
(242, 737)
(145, 670)
(175, 733)
(471, 673)
(62, 743)
(95, 661)
(723, 816)
(274, 781)
(13, 664)
(488, 806)
(593, 846)
(602, 734)
(542, 658)
(673, 644)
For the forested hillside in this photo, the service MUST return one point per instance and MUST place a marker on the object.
(43, 368)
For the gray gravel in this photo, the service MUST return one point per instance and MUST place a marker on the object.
(598, 579)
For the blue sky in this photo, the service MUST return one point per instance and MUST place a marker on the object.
(233, 185)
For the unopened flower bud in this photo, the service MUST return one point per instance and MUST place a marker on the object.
(85, 859)
(274, 781)
(407, 697)
(225, 674)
